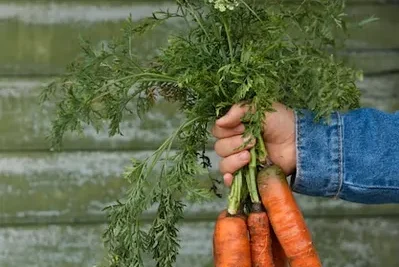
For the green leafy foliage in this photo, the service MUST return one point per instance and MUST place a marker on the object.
(257, 52)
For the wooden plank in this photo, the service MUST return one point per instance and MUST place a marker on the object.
(371, 62)
(36, 33)
(24, 125)
(373, 2)
(375, 93)
(75, 187)
(361, 2)
(380, 34)
(105, 2)
(362, 242)
(40, 187)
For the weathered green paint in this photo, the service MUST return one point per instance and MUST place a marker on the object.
(24, 125)
(41, 38)
(64, 187)
(30, 49)
(75, 187)
(373, 62)
(346, 243)
(376, 34)
(381, 93)
(105, 2)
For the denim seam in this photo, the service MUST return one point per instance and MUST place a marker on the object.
(340, 156)
(372, 187)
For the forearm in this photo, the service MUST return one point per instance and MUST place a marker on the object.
(355, 157)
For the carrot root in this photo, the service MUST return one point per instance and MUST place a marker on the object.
(286, 218)
(309, 259)
(279, 257)
(231, 246)
(260, 239)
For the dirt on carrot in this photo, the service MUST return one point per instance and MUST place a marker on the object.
(286, 218)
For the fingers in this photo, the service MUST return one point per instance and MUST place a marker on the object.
(233, 117)
(231, 145)
(229, 130)
(223, 132)
(228, 179)
(234, 162)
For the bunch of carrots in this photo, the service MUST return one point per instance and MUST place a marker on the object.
(267, 229)
(226, 52)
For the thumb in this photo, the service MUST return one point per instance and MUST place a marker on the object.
(233, 116)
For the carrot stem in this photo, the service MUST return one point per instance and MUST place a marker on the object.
(251, 178)
(235, 193)
(244, 192)
(262, 152)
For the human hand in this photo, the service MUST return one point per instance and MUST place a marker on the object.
(279, 136)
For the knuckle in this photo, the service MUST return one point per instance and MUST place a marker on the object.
(218, 148)
(235, 143)
(229, 164)
(222, 167)
(215, 131)
(239, 129)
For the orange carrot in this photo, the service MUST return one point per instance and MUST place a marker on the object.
(260, 239)
(286, 218)
(231, 242)
(279, 257)
(224, 214)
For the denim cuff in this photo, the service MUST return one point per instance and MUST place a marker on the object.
(319, 168)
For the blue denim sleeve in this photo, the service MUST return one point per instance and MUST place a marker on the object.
(355, 156)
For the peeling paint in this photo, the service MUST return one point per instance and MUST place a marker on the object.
(53, 13)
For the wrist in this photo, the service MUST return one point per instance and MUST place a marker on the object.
(292, 160)
(289, 158)
(289, 150)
